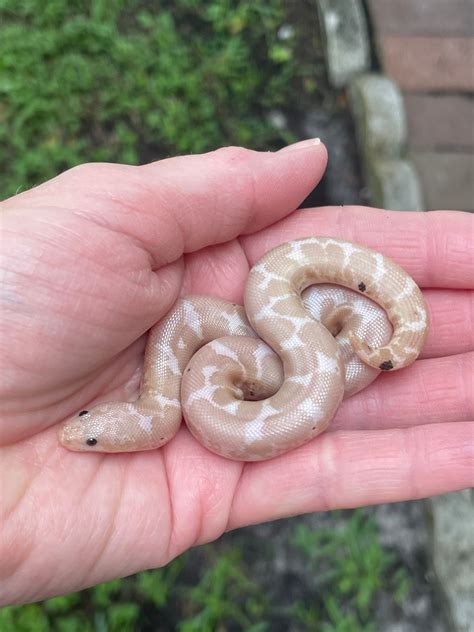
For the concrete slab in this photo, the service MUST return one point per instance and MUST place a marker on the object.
(394, 184)
(346, 39)
(379, 114)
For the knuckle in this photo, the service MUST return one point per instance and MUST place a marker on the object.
(233, 155)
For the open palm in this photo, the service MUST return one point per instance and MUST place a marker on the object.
(93, 258)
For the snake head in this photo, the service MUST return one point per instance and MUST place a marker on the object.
(104, 428)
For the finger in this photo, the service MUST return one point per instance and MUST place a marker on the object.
(217, 271)
(190, 202)
(430, 391)
(436, 248)
(350, 469)
(79, 281)
(451, 328)
(222, 271)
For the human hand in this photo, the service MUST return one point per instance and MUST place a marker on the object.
(93, 258)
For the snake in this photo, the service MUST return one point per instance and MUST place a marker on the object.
(322, 319)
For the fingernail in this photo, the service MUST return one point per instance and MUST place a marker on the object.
(302, 144)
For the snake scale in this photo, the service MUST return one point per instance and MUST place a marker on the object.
(322, 318)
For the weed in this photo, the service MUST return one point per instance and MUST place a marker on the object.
(352, 567)
(157, 586)
(225, 593)
(210, 589)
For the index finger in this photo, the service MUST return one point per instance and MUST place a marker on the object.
(436, 248)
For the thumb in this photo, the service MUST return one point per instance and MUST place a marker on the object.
(186, 203)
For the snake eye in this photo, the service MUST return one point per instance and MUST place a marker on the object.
(91, 441)
(83, 412)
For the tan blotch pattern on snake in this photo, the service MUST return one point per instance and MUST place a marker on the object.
(322, 318)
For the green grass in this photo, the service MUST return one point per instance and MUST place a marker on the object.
(352, 569)
(119, 80)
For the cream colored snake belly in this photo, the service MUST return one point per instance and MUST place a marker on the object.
(322, 318)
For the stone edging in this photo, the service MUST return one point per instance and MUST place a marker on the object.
(380, 124)
(376, 104)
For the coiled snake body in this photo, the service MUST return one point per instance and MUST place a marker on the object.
(323, 317)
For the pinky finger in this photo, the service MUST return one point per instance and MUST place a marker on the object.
(347, 469)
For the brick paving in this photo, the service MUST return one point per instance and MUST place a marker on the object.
(450, 113)
(428, 64)
(427, 48)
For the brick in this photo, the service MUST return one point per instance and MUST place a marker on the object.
(448, 18)
(447, 180)
(440, 122)
(430, 63)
